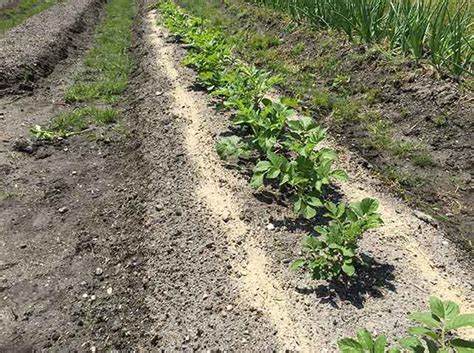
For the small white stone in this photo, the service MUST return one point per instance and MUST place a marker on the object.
(109, 291)
(270, 226)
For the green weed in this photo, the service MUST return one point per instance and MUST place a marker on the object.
(71, 123)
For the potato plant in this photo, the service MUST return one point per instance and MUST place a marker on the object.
(286, 147)
(436, 332)
(333, 254)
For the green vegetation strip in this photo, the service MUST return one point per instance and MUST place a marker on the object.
(441, 30)
(316, 73)
(108, 64)
(104, 78)
(284, 149)
(288, 158)
(12, 17)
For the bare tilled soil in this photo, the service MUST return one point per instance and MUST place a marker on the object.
(146, 240)
(32, 50)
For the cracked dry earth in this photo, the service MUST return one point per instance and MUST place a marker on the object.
(189, 257)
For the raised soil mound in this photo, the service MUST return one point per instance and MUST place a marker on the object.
(32, 49)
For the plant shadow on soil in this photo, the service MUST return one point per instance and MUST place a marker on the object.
(370, 281)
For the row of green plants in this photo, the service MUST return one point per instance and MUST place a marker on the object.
(284, 149)
(286, 155)
(441, 30)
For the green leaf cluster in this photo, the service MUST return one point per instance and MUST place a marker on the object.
(436, 333)
(333, 253)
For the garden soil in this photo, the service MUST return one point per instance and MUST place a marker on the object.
(141, 238)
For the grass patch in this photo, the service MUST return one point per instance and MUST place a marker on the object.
(12, 17)
(74, 122)
(80, 119)
(105, 78)
(403, 179)
(108, 64)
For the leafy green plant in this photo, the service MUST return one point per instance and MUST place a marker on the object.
(266, 124)
(246, 86)
(232, 147)
(365, 343)
(437, 329)
(45, 135)
(333, 253)
(435, 334)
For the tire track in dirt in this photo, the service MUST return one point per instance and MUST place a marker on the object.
(257, 287)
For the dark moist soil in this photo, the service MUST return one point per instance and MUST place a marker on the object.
(70, 225)
(100, 248)
(420, 106)
(32, 50)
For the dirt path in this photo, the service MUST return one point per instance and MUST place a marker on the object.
(148, 240)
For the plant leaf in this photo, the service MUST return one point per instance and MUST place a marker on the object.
(257, 180)
(349, 269)
(437, 307)
(462, 346)
(340, 175)
(364, 338)
(425, 318)
(262, 166)
(423, 331)
(348, 345)
(412, 343)
(297, 264)
(380, 343)
(451, 310)
(463, 320)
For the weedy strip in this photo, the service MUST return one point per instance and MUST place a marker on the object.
(12, 17)
(104, 79)
(284, 148)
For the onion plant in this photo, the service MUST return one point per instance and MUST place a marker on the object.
(433, 29)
